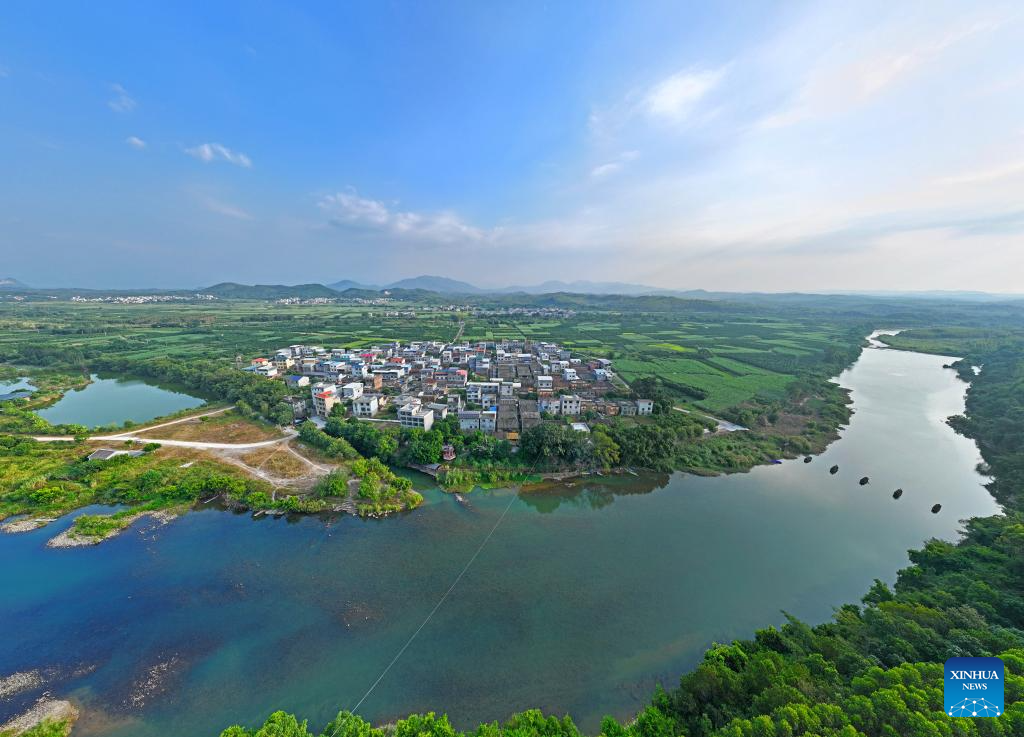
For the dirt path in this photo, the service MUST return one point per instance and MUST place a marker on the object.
(178, 421)
(199, 444)
(315, 471)
(723, 425)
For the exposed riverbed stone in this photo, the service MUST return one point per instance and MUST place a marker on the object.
(18, 682)
(46, 709)
(26, 524)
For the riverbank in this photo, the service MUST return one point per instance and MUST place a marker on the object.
(48, 717)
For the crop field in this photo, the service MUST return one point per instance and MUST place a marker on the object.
(731, 357)
(222, 330)
(731, 361)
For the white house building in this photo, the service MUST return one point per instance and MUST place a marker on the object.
(416, 415)
(353, 390)
(365, 405)
(469, 420)
(569, 404)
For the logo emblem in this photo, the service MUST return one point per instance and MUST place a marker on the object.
(974, 687)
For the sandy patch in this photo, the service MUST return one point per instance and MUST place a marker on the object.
(46, 709)
(68, 538)
(27, 524)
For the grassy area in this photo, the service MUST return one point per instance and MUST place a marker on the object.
(51, 479)
(46, 728)
(227, 427)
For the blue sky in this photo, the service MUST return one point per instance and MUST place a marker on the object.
(811, 146)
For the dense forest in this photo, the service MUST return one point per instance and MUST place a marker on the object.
(875, 670)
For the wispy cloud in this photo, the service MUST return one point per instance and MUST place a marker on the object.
(674, 98)
(606, 169)
(991, 174)
(671, 101)
(208, 152)
(122, 102)
(857, 72)
(349, 210)
(225, 209)
(4, 71)
(135, 142)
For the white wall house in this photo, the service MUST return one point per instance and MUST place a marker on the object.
(645, 406)
(476, 391)
(416, 415)
(569, 404)
(354, 390)
(365, 406)
(469, 420)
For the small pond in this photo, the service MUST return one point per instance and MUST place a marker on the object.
(107, 401)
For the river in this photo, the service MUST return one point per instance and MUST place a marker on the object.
(582, 600)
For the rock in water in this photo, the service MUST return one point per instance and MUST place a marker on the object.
(864, 481)
(936, 508)
(807, 459)
(834, 470)
(897, 494)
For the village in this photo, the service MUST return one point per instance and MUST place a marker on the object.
(500, 388)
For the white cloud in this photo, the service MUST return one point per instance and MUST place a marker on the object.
(674, 98)
(223, 208)
(602, 171)
(348, 209)
(135, 142)
(208, 152)
(122, 101)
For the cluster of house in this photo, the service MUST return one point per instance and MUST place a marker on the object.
(502, 388)
(142, 299)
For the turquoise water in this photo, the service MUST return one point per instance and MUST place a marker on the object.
(581, 602)
(112, 401)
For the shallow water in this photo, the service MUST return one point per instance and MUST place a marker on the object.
(582, 600)
(112, 401)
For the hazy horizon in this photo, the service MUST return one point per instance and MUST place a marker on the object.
(736, 147)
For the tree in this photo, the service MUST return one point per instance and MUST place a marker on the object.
(427, 447)
(604, 449)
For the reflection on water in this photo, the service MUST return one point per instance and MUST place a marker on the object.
(591, 492)
(584, 598)
(113, 401)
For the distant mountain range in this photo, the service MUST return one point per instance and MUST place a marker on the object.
(233, 290)
(440, 288)
(444, 285)
(439, 284)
